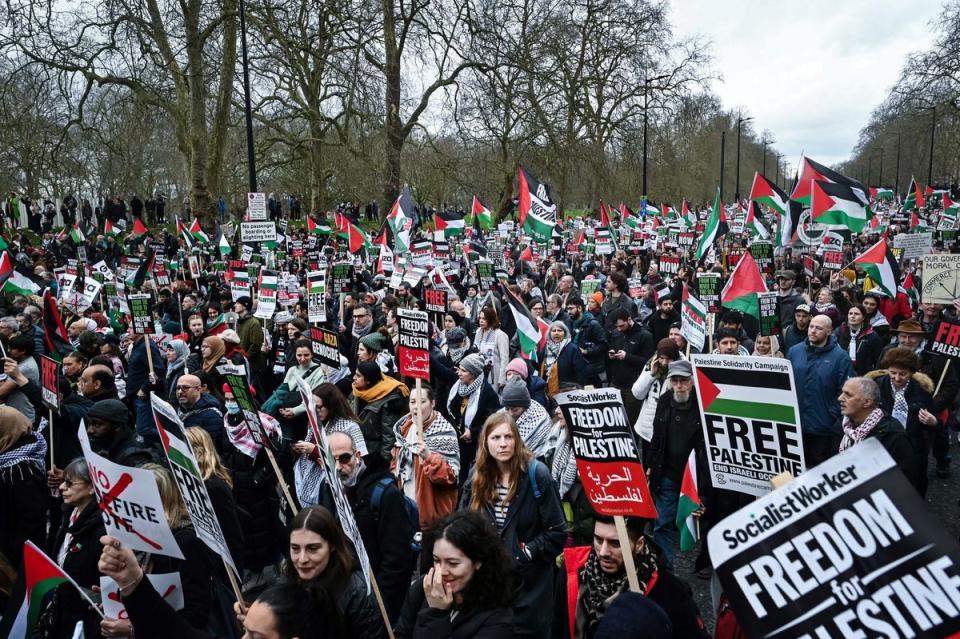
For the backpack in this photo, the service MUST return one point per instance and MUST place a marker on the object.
(532, 474)
(409, 507)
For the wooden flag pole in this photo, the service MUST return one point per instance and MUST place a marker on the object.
(417, 416)
(383, 608)
(283, 484)
(235, 585)
(943, 375)
(50, 435)
(627, 548)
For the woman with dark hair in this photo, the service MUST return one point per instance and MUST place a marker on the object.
(320, 561)
(426, 468)
(517, 494)
(334, 415)
(76, 549)
(285, 404)
(466, 594)
(859, 340)
(491, 342)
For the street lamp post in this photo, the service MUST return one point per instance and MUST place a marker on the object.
(646, 90)
(777, 179)
(248, 113)
(880, 183)
(723, 143)
(740, 120)
(933, 128)
(896, 186)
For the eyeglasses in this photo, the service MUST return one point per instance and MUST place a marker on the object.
(344, 458)
(185, 388)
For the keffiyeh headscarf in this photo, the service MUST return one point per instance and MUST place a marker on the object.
(853, 434)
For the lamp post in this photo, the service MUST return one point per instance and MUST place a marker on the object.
(765, 142)
(723, 143)
(933, 128)
(777, 179)
(897, 185)
(248, 114)
(646, 90)
(740, 120)
(880, 183)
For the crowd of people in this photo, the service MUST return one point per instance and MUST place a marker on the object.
(464, 490)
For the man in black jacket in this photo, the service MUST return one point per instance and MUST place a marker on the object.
(379, 509)
(593, 577)
(108, 429)
(659, 322)
(590, 338)
(630, 348)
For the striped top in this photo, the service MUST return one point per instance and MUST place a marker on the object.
(501, 506)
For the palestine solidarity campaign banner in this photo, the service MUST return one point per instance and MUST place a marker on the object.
(751, 424)
(849, 549)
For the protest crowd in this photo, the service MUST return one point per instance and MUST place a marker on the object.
(453, 425)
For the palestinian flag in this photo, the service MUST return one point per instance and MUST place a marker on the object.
(197, 232)
(688, 217)
(450, 223)
(538, 213)
(910, 290)
(109, 229)
(768, 194)
(914, 198)
(715, 227)
(477, 243)
(223, 245)
(185, 234)
(917, 224)
(140, 275)
(882, 268)
(355, 236)
(810, 170)
(401, 219)
(766, 395)
(268, 281)
(607, 224)
(317, 229)
(753, 224)
(481, 213)
(839, 204)
(687, 524)
(41, 576)
(16, 282)
(76, 235)
(627, 217)
(6, 267)
(139, 228)
(174, 438)
(528, 328)
(55, 337)
(880, 193)
(740, 291)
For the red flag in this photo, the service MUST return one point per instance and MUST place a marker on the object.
(139, 228)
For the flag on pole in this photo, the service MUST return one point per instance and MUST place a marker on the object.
(184, 233)
(528, 329)
(881, 267)
(714, 228)
(741, 290)
(767, 193)
(839, 204)
(753, 224)
(109, 228)
(810, 170)
(355, 236)
(55, 336)
(223, 245)
(690, 503)
(197, 232)
(450, 223)
(482, 213)
(538, 213)
(139, 228)
(401, 220)
(76, 235)
(914, 199)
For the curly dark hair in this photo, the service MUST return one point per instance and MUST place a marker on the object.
(300, 612)
(901, 357)
(470, 532)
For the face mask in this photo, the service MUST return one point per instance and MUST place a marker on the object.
(233, 408)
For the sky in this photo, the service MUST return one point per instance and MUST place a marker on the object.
(810, 72)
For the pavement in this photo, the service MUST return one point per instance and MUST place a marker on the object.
(942, 495)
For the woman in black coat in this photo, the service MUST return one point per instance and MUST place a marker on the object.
(470, 575)
(865, 352)
(23, 485)
(76, 549)
(471, 401)
(517, 495)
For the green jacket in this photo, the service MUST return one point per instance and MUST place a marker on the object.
(251, 340)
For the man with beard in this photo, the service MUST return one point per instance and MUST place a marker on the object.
(251, 334)
(359, 327)
(659, 322)
(796, 332)
(593, 577)
(110, 436)
(676, 432)
(380, 512)
(589, 337)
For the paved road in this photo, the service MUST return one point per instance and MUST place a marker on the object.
(942, 495)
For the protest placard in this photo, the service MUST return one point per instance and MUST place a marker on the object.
(435, 300)
(941, 278)
(733, 258)
(50, 389)
(258, 232)
(769, 317)
(168, 585)
(693, 316)
(669, 264)
(945, 339)
(762, 252)
(751, 425)
(809, 265)
(326, 346)
(414, 343)
(317, 296)
(849, 549)
(485, 274)
(833, 260)
(914, 245)
(130, 503)
(708, 285)
(141, 313)
(186, 472)
(342, 275)
(607, 458)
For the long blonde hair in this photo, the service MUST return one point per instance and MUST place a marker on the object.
(173, 507)
(487, 473)
(207, 455)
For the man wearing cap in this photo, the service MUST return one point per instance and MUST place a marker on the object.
(910, 334)
(110, 436)
(788, 298)
(251, 334)
(796, 332)
(676, 432)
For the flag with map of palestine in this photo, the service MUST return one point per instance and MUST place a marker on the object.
(751, 424)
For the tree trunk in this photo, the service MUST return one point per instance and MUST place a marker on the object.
(393, 138)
